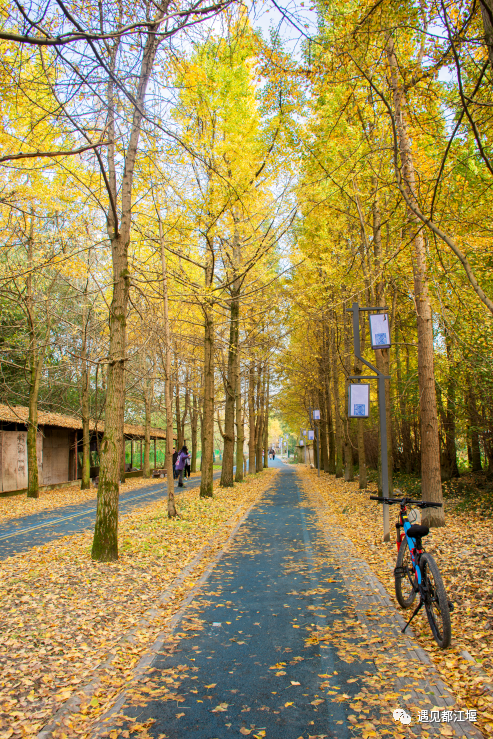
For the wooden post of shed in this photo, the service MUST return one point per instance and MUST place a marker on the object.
(155, 457)
(141, 465)
(76, 457)
(131, 452)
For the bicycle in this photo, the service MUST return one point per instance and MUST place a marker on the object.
(417, 572)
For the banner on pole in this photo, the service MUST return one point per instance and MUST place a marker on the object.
(311, 435)
(379, 330)
(316, 415)
(301, 442)
(359, 401)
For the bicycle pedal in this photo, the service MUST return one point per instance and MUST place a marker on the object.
(450, 606)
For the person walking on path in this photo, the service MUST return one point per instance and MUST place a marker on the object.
(175, 457)
(181, 462)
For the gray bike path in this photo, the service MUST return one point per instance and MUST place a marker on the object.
(249, 669)
(21, 534)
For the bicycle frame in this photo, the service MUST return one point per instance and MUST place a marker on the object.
(402, 527)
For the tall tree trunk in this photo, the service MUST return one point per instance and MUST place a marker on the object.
(170, 483)
(358, 370)
(36, 356)
(431, 485)
(382, 356)
(266, 421)
(487, 15)
(86, 444)
(450, 468)
(179, 429)
(330, 416)
(324, 459)
(251, 418)
(335, 395)
(105, 542)
(331, 434)
(472, 411)
(148, 393)
(206, 481)
(259, 427)
(403, 411)
(348, 447)
(193, 430)
(240, 429)
(186, 408)
(227, 473)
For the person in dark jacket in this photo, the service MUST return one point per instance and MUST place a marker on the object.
(181, 463)
(175, 457)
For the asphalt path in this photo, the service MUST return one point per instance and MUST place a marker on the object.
(240, 663)
(20, 534)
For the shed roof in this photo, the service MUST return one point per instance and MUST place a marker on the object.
(20, 414)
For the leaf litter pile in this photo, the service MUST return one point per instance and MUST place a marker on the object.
(463, 550)
(63, 615)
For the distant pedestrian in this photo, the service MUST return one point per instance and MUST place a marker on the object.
(175, 457)
(187, 466)
(181, 462)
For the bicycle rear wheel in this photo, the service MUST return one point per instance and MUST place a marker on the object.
(405, 591)
(436, 601)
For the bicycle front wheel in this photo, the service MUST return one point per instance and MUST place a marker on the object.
(405, 589)
(436, 601)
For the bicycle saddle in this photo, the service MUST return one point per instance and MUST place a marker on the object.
(416, 531)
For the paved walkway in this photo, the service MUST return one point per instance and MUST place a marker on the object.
(273, 646)
(21, 534)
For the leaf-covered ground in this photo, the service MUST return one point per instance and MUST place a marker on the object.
(20, 505)
(464, 552)
(63, 614)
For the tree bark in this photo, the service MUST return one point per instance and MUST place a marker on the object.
(105, 542)
(266, 420)
(324, 459)
(450, 468)
(85, 376)
(362, 471)
(487, 15)
(167, 382)
(230, 392)
(251, 418)
(148, 393)
(36, 356)
(193, 430)
(240, 429)
(472, 411)
(259, 428)
(382, 356)
(179, 429)
(206, 481)
(431, 485)
(348, 447)
(335, 395)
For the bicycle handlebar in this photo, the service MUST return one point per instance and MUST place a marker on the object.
(405, 501)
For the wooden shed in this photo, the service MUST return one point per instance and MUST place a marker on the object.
(59, 446)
